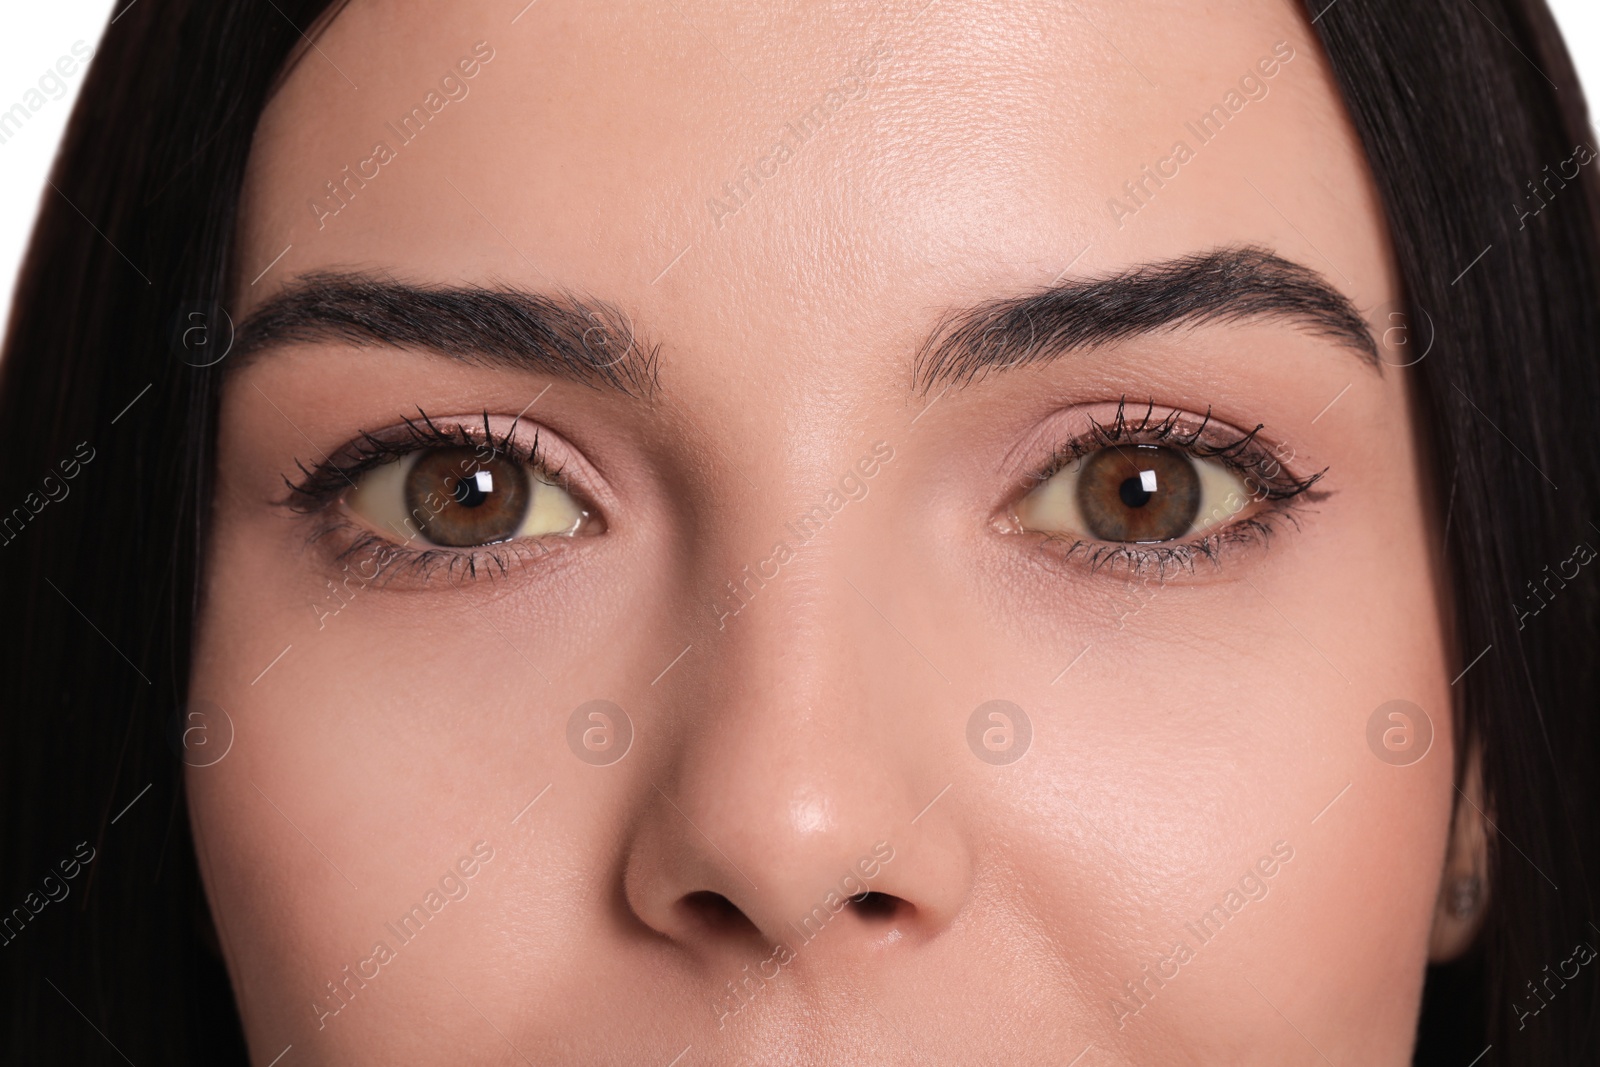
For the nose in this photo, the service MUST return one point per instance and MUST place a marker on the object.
(793, 808)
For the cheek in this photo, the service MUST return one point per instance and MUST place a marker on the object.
(370, 754)
(1171, 752)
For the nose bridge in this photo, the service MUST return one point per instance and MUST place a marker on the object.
(791, 752)
(790, 790)
(789, 628)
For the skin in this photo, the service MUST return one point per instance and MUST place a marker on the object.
(1173, 745)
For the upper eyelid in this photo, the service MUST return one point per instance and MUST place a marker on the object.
(335, 472)
(1226, 444)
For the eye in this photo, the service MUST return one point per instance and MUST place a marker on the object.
(461, 497)
(1141, 494)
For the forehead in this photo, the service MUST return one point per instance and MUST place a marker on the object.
(740, 170)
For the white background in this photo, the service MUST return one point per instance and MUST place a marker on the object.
(34, 35)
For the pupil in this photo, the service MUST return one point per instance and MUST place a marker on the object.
(467, 493)
(458, 499)
(1133, 494)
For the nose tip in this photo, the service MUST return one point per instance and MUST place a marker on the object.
(725, 879)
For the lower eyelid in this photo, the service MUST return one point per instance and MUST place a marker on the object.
(353, 550)
(1162, 560)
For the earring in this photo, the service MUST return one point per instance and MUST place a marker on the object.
(1464, 895)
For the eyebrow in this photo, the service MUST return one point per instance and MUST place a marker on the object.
(587, 341)
(1225, 285)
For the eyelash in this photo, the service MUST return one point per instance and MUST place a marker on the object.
(1243, 454)
(321, 487)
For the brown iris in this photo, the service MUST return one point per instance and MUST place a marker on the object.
(459, 499)
(1138, 493)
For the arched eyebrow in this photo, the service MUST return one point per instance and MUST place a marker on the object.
(1225, 285)
(587, 341)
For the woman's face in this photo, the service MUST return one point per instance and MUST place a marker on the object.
(895, 526)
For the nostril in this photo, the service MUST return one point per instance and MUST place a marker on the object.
(880, 907)
(717, 914)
